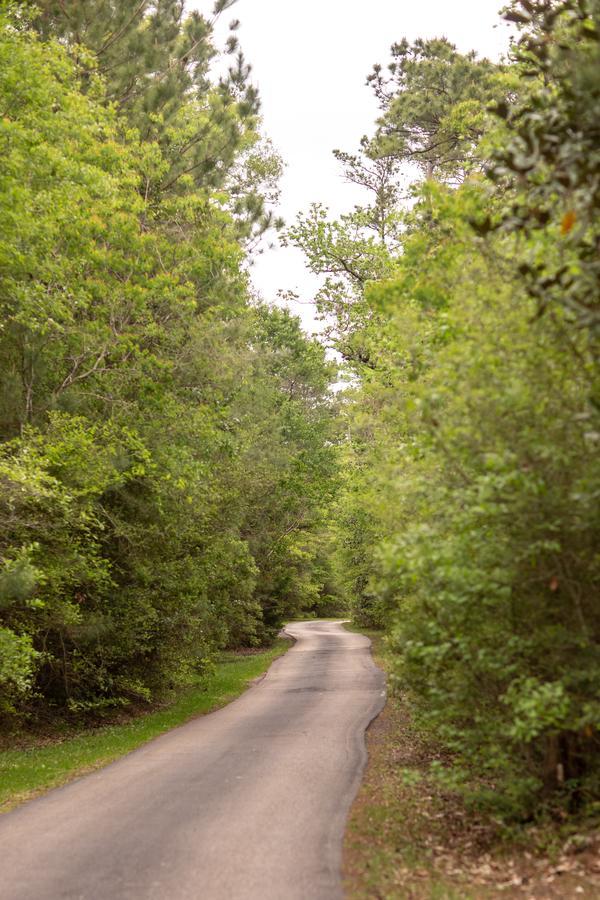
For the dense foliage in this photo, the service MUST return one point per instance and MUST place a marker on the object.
(177, 475)
(469, 519)
(167, 443)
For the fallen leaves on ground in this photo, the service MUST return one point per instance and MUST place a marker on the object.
(408, 839)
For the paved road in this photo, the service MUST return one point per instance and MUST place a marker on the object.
(248, 803)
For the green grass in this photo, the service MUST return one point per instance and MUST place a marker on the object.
(26, 773)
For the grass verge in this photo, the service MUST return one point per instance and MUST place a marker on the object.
(27, 772)
(409, 839)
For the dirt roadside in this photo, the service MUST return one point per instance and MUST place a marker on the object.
(407, 838)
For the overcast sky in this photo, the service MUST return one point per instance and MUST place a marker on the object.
(310, 59)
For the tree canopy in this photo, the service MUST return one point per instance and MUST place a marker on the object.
(167, 443)
(467, 524)
(179, 476)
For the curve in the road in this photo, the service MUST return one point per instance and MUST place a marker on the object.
(248, 803)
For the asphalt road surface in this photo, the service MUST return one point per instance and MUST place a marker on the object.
(247, 803)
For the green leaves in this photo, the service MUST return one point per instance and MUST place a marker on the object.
(19, 578)
(548, 166)
(537, 708)
(17, 660)
(434, 106)
(468, 522)
(167, 447)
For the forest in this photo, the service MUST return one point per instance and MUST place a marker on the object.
(183, 469)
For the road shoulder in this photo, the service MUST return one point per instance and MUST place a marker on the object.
(38, 763)
(409, 838)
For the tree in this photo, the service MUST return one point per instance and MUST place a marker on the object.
(433, 101)
(154, 58)
(549, 169)
(467, 520)
(167, 453)
(349, 255)
(378, 175)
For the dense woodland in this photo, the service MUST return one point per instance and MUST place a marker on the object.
(179, 475)
(168, 452)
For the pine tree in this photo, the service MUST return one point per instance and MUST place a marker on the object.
(155, 57)
(433, 101)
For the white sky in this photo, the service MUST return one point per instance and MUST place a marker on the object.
(310, 59)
